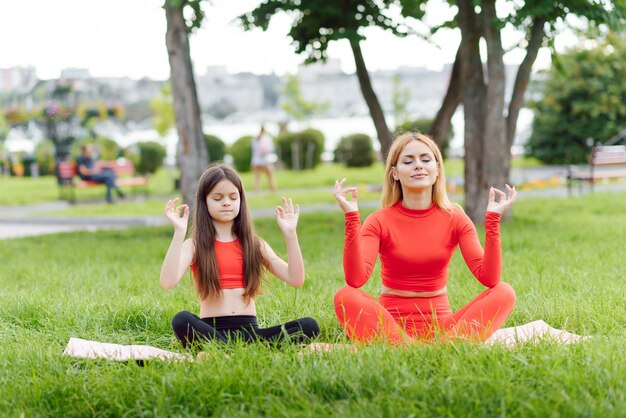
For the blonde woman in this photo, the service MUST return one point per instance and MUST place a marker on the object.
(415, 233)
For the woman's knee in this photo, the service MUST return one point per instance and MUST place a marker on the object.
(346, 294)
(505, 293)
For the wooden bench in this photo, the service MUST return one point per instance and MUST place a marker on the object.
(605, 162)
(67, 175)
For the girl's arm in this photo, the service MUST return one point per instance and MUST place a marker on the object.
(180, 253)
(292, 271)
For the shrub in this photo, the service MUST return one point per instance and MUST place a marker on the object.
(151, 155)
(215, 147)
(241, 151)
(355, 150)
(307, 145)
(423, 125)
(44, 155)
(581, 104)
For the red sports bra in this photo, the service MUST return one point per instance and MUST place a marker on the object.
(229, 257)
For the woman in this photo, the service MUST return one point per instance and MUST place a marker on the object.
(416, 233)
(262, 153)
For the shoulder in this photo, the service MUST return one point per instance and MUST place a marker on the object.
(376, 219)
(460, 219)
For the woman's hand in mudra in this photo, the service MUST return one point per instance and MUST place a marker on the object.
(505, 200)
(341, 194)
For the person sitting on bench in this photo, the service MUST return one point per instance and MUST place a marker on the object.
(86, 171)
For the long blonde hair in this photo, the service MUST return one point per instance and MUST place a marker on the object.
(392, 190)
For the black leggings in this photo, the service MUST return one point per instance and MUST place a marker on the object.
(190, 328)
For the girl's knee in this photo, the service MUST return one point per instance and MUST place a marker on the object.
(182, 321)
(309, 327)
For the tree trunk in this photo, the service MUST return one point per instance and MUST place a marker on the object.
(474, 104)
(193, 153)
(376, 111)
(454, 95)
(496, 154)
(523, 76)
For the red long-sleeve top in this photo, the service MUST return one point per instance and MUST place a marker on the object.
(416, 246)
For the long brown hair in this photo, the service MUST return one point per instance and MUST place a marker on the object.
(204, 235)
(392, 190)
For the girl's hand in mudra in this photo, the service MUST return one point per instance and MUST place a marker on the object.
(505, 200)
(177, 216)
(341, 193)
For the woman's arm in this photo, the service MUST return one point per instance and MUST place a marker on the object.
(486, 265)
(360, 248)
(180, 252)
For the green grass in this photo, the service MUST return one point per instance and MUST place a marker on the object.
(563, 257)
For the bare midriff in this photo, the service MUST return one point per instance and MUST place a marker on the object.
(230, 303)
(408, 294)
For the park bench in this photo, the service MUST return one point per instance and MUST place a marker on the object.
(605, 162)
(67, 174)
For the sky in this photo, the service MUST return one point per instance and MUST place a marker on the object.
(116, 38)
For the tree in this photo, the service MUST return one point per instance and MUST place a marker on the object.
(316, 23)
(163, 110)
(489, 123)
(581, 99)
(400, 101)
(193, 153)
(295, 104)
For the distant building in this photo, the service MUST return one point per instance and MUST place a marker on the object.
(218, 88)
(19, 79)
(75, 74)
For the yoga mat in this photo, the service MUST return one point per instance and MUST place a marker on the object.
(78, 347)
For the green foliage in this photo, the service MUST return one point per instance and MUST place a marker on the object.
(151, 155)
(295, 105)
(44, 155)
(582, 101)
(316, 23)
(241, 152)
(355, 150)
(216, 148)
(400, 100)
(163, 110)
(4, 126)
(423, 125)
(306, 146)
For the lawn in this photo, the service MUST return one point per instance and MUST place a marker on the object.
(563, 257)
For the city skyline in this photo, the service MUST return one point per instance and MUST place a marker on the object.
(116, 39)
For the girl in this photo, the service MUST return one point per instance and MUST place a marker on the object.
(227, 261)
(415, 234)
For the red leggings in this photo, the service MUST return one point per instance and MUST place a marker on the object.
(400, 319)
